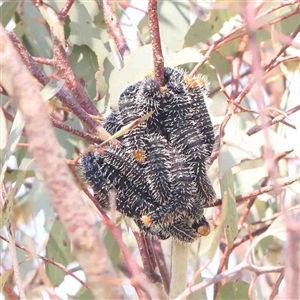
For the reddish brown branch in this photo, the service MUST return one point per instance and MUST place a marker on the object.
(64, 96)
(88, 137)
(72, 82)
(236, 67)
(64, 11)
(158, 59)
(161, 264)
(43, 61)
(114, 28)
(147, 259)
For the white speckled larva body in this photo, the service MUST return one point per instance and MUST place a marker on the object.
(165, 191)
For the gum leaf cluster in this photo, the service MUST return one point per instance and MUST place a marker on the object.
(158, 175)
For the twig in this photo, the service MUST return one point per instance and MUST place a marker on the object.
(247, 72)
(228, 37)
(240, 267)
(14, 258)
(89, 249)
(46, 260)
(43, 61)
(162, 266)
(236, 67)
(244, 197)
(274, 121)
(249, 236)
(114, 28)
(148, 261)
(64, 11)
(276, 286)
(158, 58)
(87, 136)
(72, 82)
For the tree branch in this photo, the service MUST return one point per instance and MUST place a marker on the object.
(114, 28)
(73, 214)
(158, 58)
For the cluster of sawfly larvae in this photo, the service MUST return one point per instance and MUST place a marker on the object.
(158, 172)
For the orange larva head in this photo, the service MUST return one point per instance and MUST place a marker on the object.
(146, 220)
(194, 82)
(203, 230)
(139, 155)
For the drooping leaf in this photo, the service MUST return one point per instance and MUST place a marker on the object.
(7, 10)
(51, 89)
(8, 207)
(84, 31)
(58, 250)
(229, 207)
(40, 200)
(173, 23)
(4, 277)
(112, 247)
(84, 63)
(238, 146)
(237, 290)
(201, 31)
(13, 139)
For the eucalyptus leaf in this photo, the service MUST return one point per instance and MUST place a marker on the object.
(7, 11)
(84, 31)
(237, 290)
(58, 249)
(173, 23)
(229, 207)
(51, 89)
(84, 63)
(201, 31)
(13, 139)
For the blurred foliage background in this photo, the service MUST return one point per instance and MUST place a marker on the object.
(244, 162)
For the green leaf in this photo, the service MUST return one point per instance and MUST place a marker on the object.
(40, 200)
(201, 31)
(238, 146)
(7, 11)
(4, 277)
(7, 209)
(35, 36)
(173, 23)
(13, 139)
(229, 206)
(112, 247)
(140, 63)
(83, 293)
(84, 31)
(84, 63)
(58, 250)
(11, 176)
(51, 89)
(234, 291)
